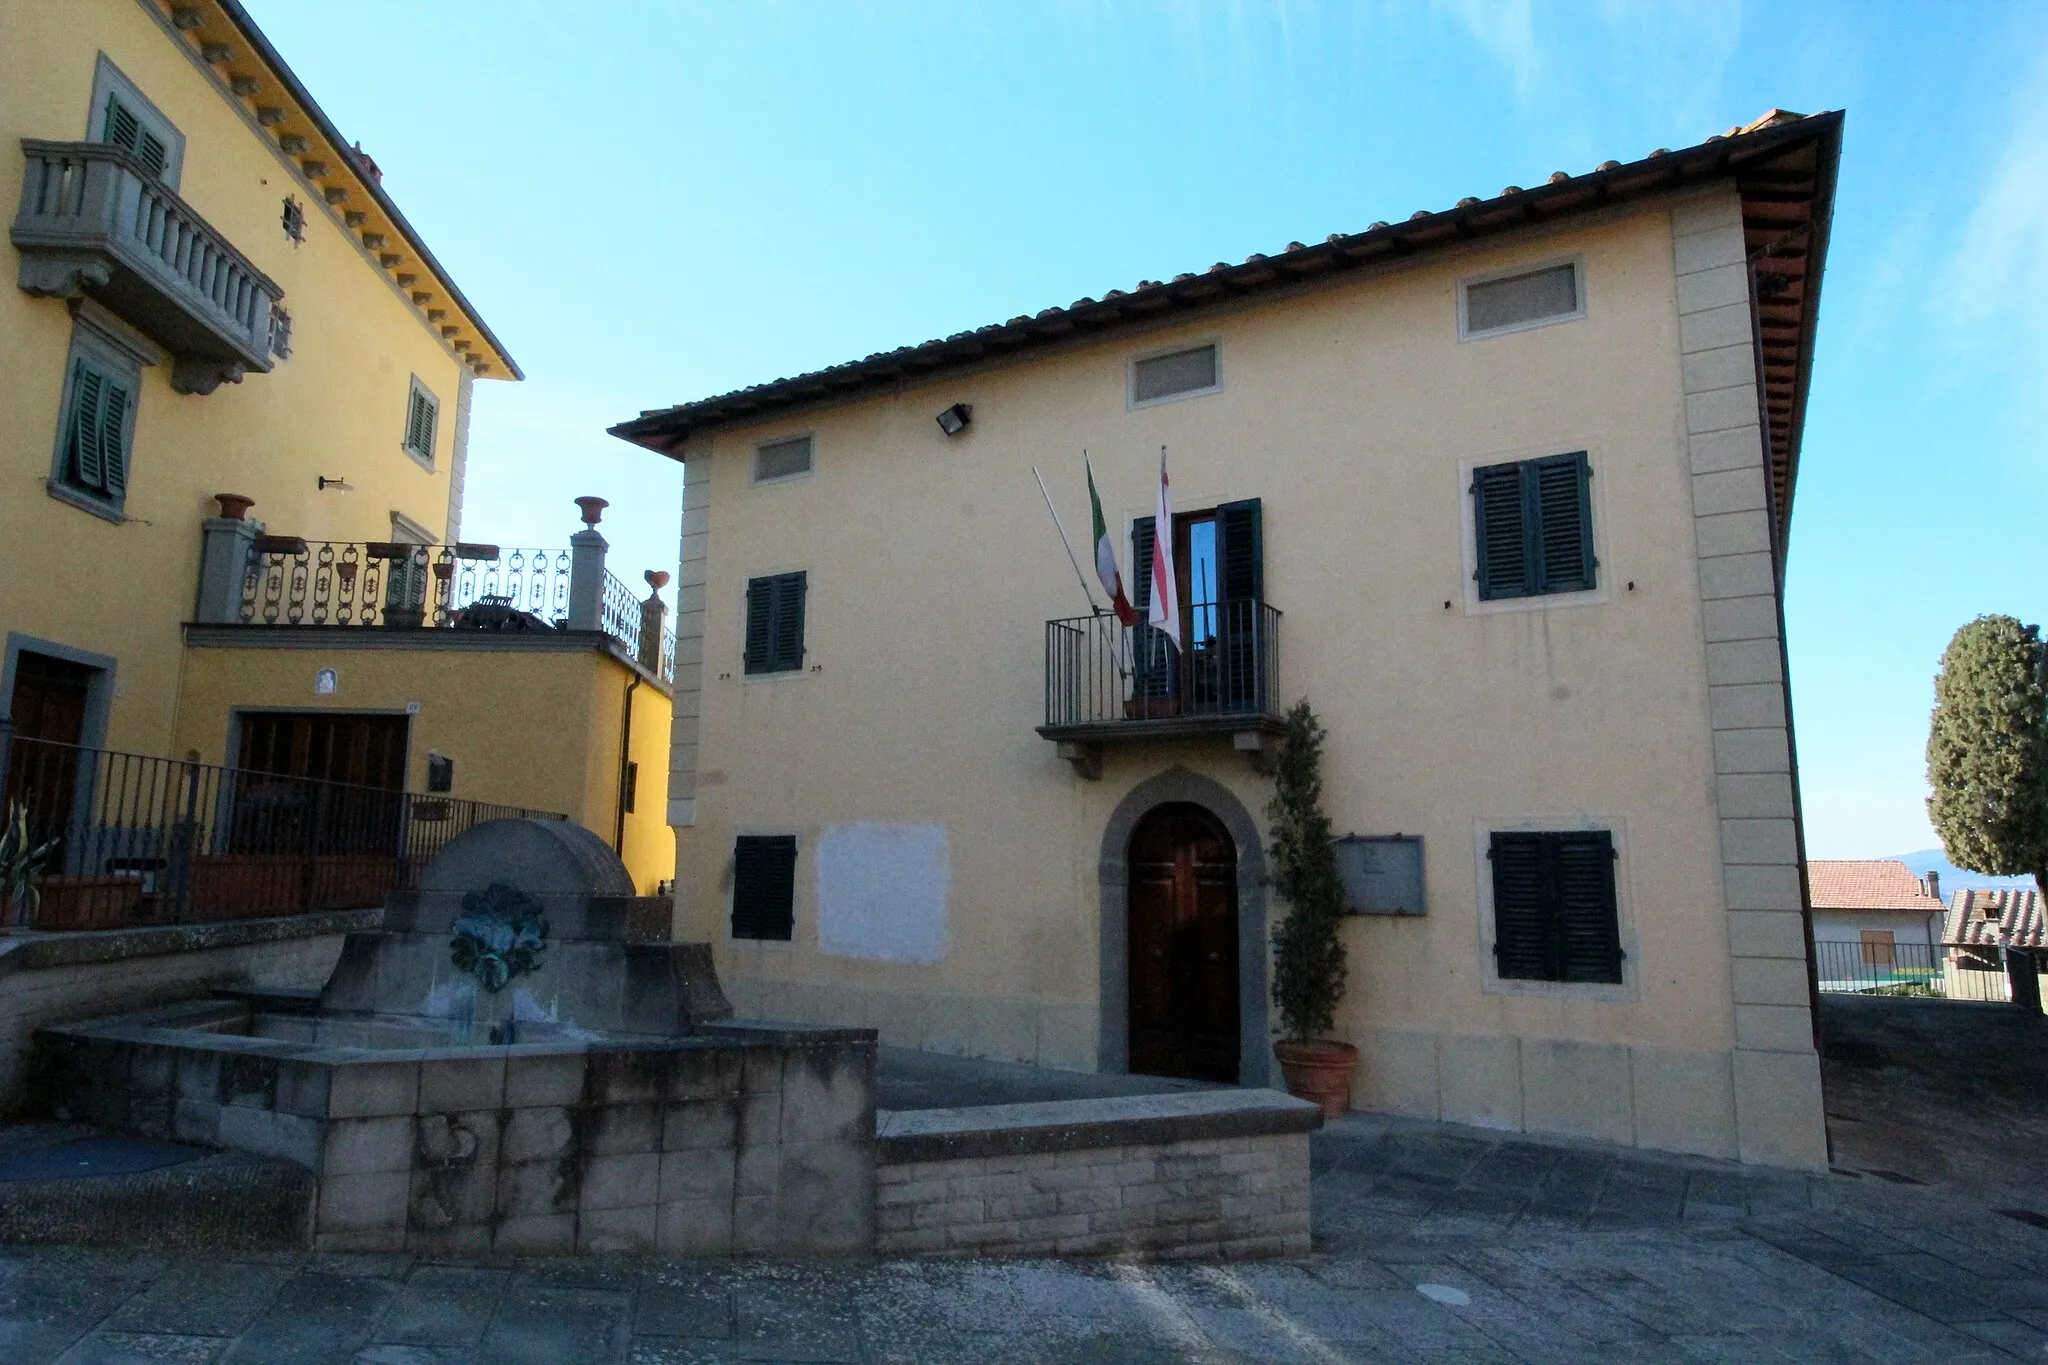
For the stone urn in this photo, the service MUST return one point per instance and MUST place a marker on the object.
(1319, 1069)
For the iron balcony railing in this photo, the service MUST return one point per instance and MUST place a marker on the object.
(1947, 971)
(1099, 671)
(143, 840)
(93, 219)
(296, 582)
(291, 581)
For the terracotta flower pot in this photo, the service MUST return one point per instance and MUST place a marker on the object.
(1319, 1070)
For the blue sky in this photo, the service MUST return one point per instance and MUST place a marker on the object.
(651, 203)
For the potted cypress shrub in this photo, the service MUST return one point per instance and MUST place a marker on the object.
(1309, 967)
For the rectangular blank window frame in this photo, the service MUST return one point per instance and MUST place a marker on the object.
(1133, 402)
(810, 441)
(1578, 265)
(418, 392)
(1491, 981)
(108, 81)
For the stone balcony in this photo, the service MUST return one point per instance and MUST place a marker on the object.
(93, 222)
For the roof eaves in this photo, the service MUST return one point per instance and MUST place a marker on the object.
(289, 79)
(665, 429)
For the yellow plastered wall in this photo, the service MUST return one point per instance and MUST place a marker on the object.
(1355, 413)
(524, 728)
(336, 407)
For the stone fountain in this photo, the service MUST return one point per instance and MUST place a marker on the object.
(509, 1065)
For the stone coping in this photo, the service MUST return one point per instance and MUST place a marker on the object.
(908, 1135)
(184, 1025)
(29, 951)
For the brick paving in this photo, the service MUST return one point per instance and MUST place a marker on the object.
(1434, 1244)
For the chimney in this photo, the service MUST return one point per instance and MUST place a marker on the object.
(1934, 884)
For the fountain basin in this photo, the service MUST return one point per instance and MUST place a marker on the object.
(737, 1138)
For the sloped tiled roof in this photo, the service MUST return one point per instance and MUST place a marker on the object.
(1867, 884)
(1986, 918)
(1783, 165)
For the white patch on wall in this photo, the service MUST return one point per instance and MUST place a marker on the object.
(882, 892)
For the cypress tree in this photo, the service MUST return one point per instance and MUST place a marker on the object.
(1987, 751)
(1309, 968)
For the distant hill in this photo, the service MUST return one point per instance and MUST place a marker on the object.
(1954, 878)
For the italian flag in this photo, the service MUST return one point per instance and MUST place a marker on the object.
(1105, 557)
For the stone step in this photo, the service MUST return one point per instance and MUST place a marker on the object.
(75, 1184)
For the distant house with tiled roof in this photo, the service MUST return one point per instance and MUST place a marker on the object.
(1981, 923)
(1876, 902)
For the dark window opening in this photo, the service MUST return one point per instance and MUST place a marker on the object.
(294, 220)
(1532, 525)
(632, 786)
(764, 887)
(1554, 912)
(775, 623)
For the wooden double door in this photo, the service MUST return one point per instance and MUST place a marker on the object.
(1184, 1008)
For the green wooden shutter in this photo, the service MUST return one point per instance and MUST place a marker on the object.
(1524, 922)
(1240, 552)
(1564, 517)
(764, 886)
(124, 128)
(1588, 924)
(1143, 534)
(1240, 584)
(787, 645)
(84, 465)
(760, 621)
(1500, 530)
(114, 439)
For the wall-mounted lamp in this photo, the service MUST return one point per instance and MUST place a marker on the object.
(954, 420)
(338, 485)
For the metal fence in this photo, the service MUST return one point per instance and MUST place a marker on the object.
(1097, 669)
(143, 840)
(1944, 971)
(296, 582)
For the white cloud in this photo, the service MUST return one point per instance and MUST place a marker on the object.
(1996, 278)
(1507, 30)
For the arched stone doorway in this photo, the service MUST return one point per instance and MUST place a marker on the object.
(1230, 822)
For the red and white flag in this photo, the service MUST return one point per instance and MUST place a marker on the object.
(1165, 610)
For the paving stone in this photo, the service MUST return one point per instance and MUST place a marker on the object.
(201, 1297)
(315, 1316)
(539, 1326)
(443, 1305)
(145, 1348)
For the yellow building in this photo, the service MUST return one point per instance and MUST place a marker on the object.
(236, 377)
(1502, 490)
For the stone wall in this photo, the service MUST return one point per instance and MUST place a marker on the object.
(57, 978)
(1215, 1174)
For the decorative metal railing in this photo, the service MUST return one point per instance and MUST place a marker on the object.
(294, 582)
(619, 614)
(1948, 971)
(1098, 670)
(144, 840)
(91, 216)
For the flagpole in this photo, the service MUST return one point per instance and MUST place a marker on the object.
(1082, 578)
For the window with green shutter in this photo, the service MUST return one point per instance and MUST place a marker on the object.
(122, 116)
(1532, 525)
(775, 623)
(422, 415)
(93, 452)
(764, 887)
(1554, 911)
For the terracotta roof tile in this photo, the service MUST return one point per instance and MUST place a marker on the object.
(1867, 884)
(1978, 917)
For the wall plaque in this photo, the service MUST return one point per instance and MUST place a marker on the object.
(1382, 873)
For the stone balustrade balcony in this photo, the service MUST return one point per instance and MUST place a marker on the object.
(94, 222)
